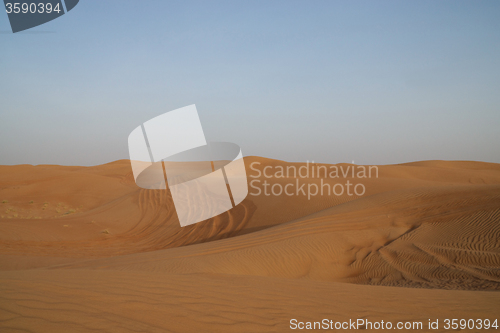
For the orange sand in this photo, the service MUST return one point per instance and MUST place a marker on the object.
(85, 249)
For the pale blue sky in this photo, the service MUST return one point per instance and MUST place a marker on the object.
(376, 82)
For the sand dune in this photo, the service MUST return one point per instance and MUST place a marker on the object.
(409, 238)
(83, 248)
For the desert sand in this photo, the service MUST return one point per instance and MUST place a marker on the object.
(84, 249)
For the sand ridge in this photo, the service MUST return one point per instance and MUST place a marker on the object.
(83, 248)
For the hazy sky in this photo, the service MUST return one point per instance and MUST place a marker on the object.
(374, 82)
